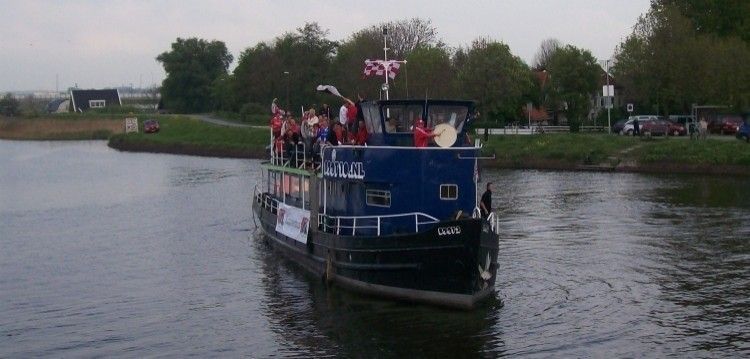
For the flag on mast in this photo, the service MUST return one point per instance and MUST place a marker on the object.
(377, 68)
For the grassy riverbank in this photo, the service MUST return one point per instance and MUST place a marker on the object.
(600, 152)
(184, 135)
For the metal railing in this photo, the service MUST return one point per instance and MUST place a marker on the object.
(536, 129)
(266, 201)
(350, 225)
(354, 225)
(284, 159)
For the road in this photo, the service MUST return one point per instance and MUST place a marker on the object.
(205, 117)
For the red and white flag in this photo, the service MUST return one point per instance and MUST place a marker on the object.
(377, 68)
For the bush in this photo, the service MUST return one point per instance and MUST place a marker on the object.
(9, 105)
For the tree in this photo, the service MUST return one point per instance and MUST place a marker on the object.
(574, 76)
(9, 105)
(546, 50)
(406, 36)
(192, 66)
(429, 71)
(666, 65)
(496, 78)
(305, 56)
(725, 18)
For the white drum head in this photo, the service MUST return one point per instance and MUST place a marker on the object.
(446, 135)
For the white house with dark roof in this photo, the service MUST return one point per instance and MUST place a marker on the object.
(83, 100)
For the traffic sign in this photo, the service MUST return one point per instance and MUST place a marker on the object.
(630, 107)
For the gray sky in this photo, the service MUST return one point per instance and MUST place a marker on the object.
(112, 43)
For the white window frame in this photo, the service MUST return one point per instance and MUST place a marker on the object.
(448, 198)
(97, 103)
(385, 194)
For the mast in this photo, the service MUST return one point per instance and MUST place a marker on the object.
(385, 60)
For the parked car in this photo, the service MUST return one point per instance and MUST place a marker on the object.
(617, 127)
(150, 126)
(744, 132)
(655, 127)
(628, 128)
(725, 125)
(676, 128)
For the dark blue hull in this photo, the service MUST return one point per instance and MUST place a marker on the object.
(453, 264)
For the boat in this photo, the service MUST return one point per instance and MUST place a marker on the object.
(387, 219)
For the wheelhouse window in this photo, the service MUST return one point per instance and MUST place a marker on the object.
(448, 192)
(403, 116)
(371, 114)
(452, 115)
(97, 103)
(378, 198)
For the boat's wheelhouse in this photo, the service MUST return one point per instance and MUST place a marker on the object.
(390, 123)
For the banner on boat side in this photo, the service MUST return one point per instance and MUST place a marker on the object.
(342, 169)
(293, 222)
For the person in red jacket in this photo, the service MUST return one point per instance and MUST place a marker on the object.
(422, 134)
(276, 123)
(360, 138)
(351, 114)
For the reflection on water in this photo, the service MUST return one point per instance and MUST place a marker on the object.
(106, 253)
(315, 319)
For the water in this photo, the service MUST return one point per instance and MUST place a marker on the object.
(122, 254)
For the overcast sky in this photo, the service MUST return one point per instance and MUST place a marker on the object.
(111, 43)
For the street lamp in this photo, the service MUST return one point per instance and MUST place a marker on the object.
(287, 90)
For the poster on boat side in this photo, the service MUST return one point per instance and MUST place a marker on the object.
(293, 222)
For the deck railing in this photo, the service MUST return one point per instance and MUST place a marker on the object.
(357, 225)
(363, 225)
(294, 158)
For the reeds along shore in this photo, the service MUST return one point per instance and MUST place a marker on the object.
(58, 129)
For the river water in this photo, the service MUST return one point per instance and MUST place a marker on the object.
(105, 253)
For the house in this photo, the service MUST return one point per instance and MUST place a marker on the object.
(542, 114)
(83, 100)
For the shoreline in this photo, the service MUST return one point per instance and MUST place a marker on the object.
(532, 164)
(182, 135)
(120, 144)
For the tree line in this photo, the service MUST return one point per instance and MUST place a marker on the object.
(687, 52)
(290, 67)
(676, 56)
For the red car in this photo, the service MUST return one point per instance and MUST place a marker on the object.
(150, 126)
(654, 127)
(725, 125)
(676, 128)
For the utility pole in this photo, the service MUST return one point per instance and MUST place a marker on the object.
(612, 99)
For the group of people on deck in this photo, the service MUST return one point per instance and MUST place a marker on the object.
(325, 126)
(316, 129)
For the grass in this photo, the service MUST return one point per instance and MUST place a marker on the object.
(566, 148)
(185, 131)
(598, 148)
(707, 152)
